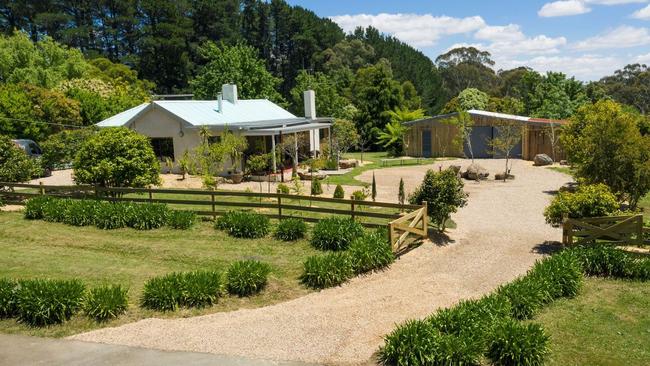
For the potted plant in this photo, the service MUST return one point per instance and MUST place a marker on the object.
(234, 145)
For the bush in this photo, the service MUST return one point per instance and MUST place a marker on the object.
(331, 164)
(242, 224)
(7, 298)
(338, 192)
(81, 213)
(316, 187)
(371, 252)
(327, 270)
(113, 215)
(335, 233)
(147, 216)
(55, 209)
(290, 230)
(247, 277)
(15, 165)
(443, 193)
(588, 201)
(163, 293)
(34, 207)
(191, 289)
(514, 343)
(283, 188)
(608, 261)
(106, 302)
(45, 302)
(182, 220)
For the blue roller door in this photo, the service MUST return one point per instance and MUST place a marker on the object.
(480, 138)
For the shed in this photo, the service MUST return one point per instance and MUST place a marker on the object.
(434, 136)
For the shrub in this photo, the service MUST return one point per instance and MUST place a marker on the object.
(331, 164)
(15, 165)
(242, 224)
(163, 293)
(81, 212)
(338, 192)
(588, 201)
(335, 233)
(106, 302)
(247, 277)
(316, 187)
(7, 298)
(327, 270)
(113, 215)
(605, 261)
(34, 207)
(200, 288)
(147, 216)
(290, 230)
(283, 188)
(360, 195)
(443, 193)
(182, 220)
(514, 343)
(45, 302)
(55, 209)
(370, 252)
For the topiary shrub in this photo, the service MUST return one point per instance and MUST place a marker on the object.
(200, 288)
(113, 215)
(247, 277)
(56, 209)
(106, 302)
(327, 270)
(316, 187)
(34, 207)
(243, 224)
(81, 213)
(147, 216)
(8, 299)
(182, 220)
(45, 302)
(338, 192)
(370, 252)
(290, 230)
(283, 189)
(514, 344)
(335, 233)
(588, 201)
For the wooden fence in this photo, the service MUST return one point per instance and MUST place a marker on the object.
(215, 203)
(404, 230)
(614, 229)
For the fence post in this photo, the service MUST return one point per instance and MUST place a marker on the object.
(391, 237)
(41, 189)
(425, 219)
(214, 206)
(279, 208)
(150, 194)
(639, 229)
(352, 207)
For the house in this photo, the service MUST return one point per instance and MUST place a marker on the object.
(174, 125)
(432, 137)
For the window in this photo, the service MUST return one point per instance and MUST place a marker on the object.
(163, 147)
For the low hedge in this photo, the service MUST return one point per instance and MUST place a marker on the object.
(370, 252)
(190, 289)
(106, 302)
(113, 215)
(34, 207)
(335, 233)
(322, 271)
(245, 278)
(290, 230)
(8, 298)
(147, 216)
(56, 209)
(243, 224)
(81, 212)
(44, 302)
(515, 343)
(608, 261)
(182, 220)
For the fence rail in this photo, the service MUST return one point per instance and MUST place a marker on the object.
(614, 229)
(207, 202)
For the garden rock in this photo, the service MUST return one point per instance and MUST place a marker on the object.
(501, 176)
(542, 160)
(476, 172)
(347, 164)
(455, 168)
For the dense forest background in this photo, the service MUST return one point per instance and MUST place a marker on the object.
(111, 54)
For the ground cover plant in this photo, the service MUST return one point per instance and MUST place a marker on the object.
(331, 269)
(335, 233)
(190, 289)
(247, 277)
(182, 220)
(106, 302)
(42, 302)
(243, 224)
(290, 230)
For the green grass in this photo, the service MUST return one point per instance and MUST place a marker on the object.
(645, 205)
(562, 169)
(607, 324)
(38, 249)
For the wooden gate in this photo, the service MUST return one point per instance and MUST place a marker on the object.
(614, 229)
(408, 228)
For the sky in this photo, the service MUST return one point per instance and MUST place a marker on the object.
(587, 39)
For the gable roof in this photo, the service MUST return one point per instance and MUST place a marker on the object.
(494, 115)
(206, 112)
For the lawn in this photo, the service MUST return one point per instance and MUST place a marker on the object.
(607, 324)
(562, 169)
(40, 249)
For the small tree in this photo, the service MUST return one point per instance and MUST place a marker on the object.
(443, 193)
(316, 187)
(291, 145)
(338, 192)
(60, 149)
(553, 133)
(344, 137)
(401, 196)
(234, 146)
(509, 137)
(374, 187)
(464, 123)
(185, 164)
(15, 165)
(117, 157)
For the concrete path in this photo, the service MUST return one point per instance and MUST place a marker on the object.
(27, 351)
(501, 233)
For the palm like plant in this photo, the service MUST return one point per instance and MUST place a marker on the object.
(394, 135)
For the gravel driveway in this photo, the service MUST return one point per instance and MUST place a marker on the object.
(497, 239)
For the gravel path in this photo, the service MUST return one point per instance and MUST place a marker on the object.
(499, 232)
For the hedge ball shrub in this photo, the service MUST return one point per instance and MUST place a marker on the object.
(243, 224)
(247, 277)
(8, 299)
(338, 192)
(290, 230)
(147, 216)
(335, 233)
(514, 344)
(322, 271)
(316, 187)
(370, 252)
(34, 207)
(182, 220)
(200, 288)
(106, 302)
(44, 302)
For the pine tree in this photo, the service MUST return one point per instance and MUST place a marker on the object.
(374, 187)
(316, 188)
(401, 196)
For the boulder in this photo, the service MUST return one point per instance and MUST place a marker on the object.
(501, 176)
(455, 168)
(542, 160)
(347, 164)
(564, 162)
(475, 172)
